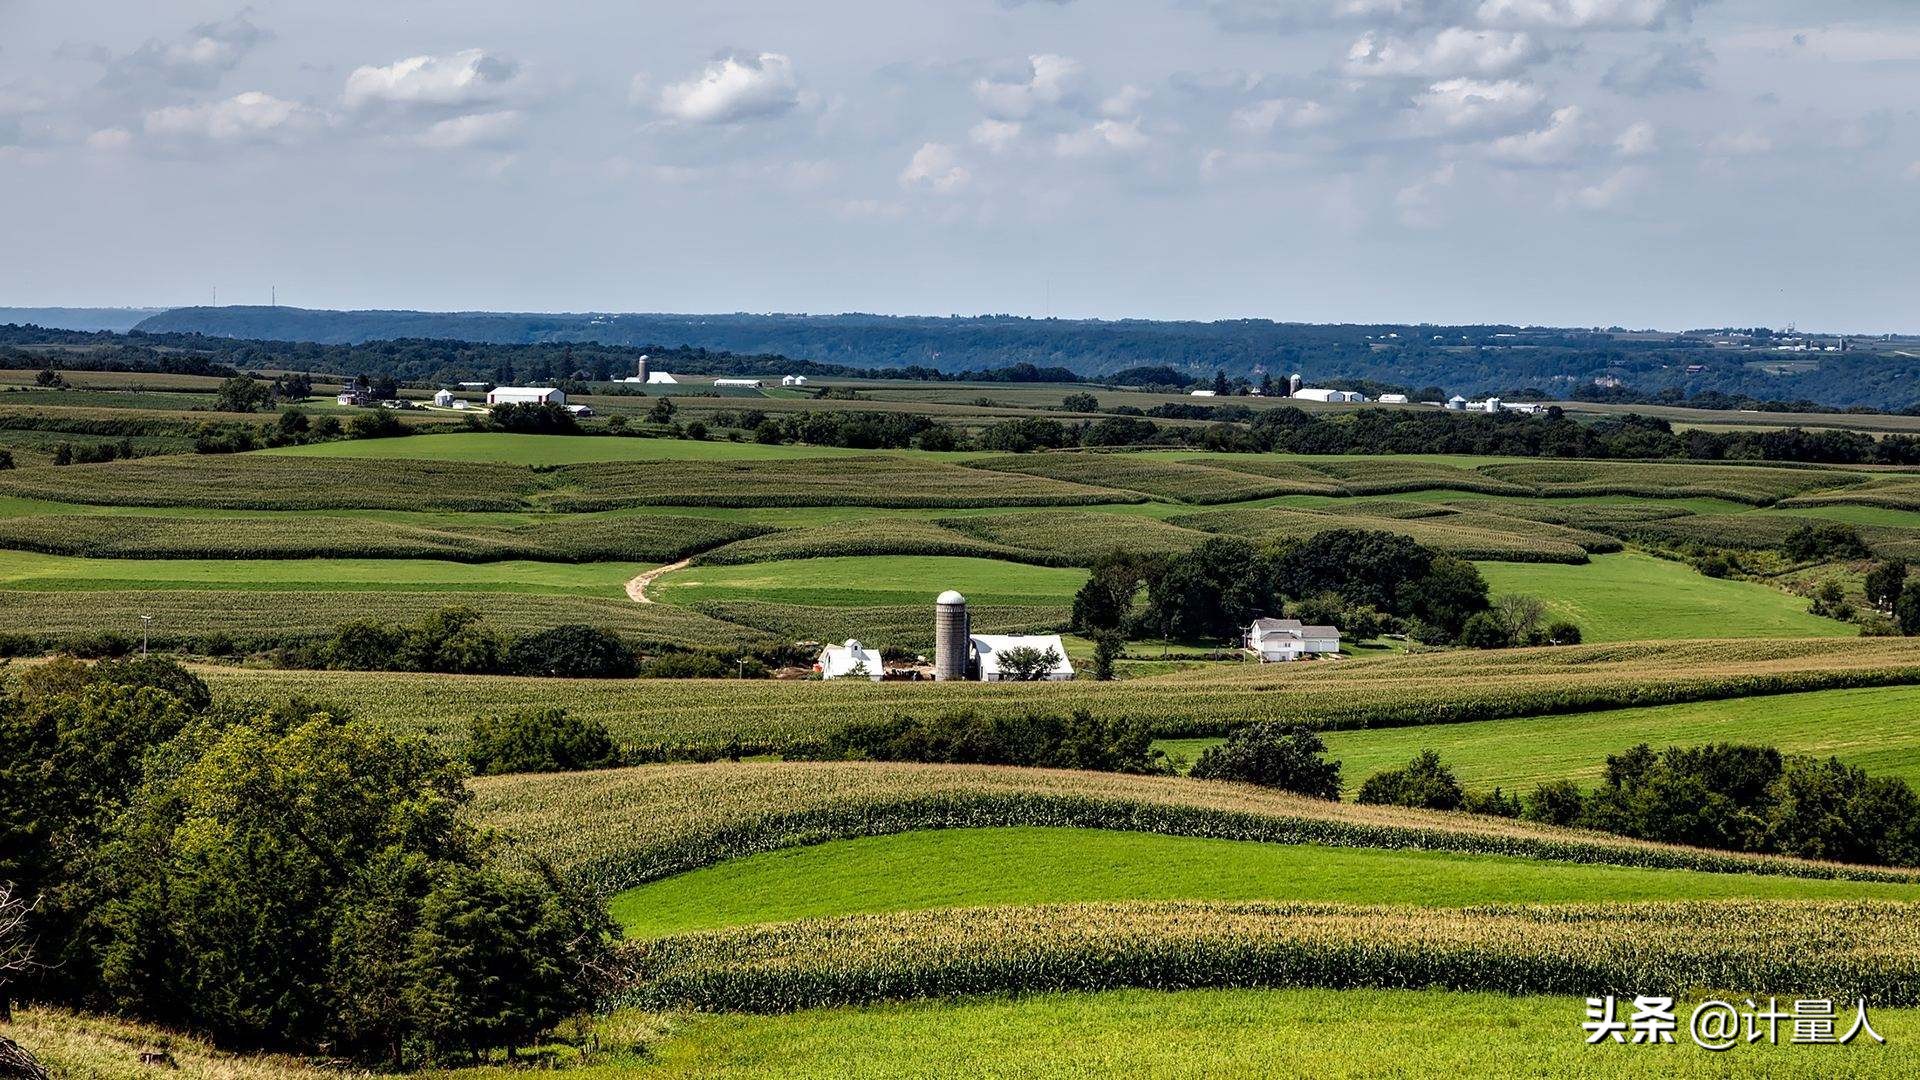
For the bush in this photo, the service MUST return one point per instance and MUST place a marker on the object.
(101, 643)
(377, 424)
(1484, 630)
(544, 740)
(1563, 633)
(1424, 784)
(1556, 802)
(533, 417)
(1827, 540)
(1273, 755)
(571, 652)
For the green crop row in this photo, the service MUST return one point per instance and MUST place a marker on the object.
(1469, 536)
(904, 626)
(619, 828)
(878, 480)
(1755, 484)
(1176, 480)
(876, 536)
(1798, 949)
(262, 482)
(1080, 538)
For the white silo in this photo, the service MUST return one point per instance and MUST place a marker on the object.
(950, 637)
(640, 372)
(1294, 384)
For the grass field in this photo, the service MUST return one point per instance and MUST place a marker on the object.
(969, 867)
(26, 570)
(872, 581)
(558, 449)
(1634, 597)
(1183, 1035)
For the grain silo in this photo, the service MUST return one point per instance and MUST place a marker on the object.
(640, 373)
(1293, 384)
(950, 637)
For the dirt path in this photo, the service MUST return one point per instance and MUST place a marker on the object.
(637, 588)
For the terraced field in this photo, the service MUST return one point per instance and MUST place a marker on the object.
(1634, 597)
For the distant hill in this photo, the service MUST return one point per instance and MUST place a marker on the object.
(90, 319)
(1512, 361)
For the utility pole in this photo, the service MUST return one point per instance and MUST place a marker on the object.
(146, 622)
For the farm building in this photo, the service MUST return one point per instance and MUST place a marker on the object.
(850, 661)
(1393, 399)
(1201, 393)
(1457, 403)
(355, 393)
(1316, 394)
(580, 410)
(525, 395)
(443, 398)
(793, 380)
(740, 384)
(1288, 639)
(987, 649)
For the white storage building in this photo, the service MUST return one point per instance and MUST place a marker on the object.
(1288, 639)
(443, 398)
(1315, 394)
(850, 661)
(525, 395)
(988, 648)
(793, 380)
(740, 384)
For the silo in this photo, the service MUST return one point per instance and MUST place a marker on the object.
(1293, 384)
(950, 637)
(641, 372)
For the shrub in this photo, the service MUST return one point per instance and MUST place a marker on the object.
(533, 417)
(574, 651)
(1824, 540)
(1563, 633)
(101, 643)
(1556, 802)
(1045, 740)
(377, 424)
(544, 740)
(1484, 630)
(1424, 784)
(1273, 755)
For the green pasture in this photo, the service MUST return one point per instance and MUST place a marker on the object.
(872, 581)
(1874, 729)
(969, 867)
(1634, 597)
(30, 571)
(1194, 1034)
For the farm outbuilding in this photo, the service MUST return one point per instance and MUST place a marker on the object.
(1288, 639)
(443, 398)
(987, 649)
(793, 380)
(740, 384)
(850, 661)
(525, 395)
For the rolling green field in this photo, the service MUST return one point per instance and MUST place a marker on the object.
(1634, 597)
(24, 570)
(872, 581)
(561, 449)
(969, 867)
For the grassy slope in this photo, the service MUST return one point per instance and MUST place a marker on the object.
(24, 570)
(1196, 1033)
(967, 867)
(1634, 597)
(867, 581)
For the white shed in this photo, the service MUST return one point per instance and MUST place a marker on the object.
(793, 380)
(443, 398)
(850, 661)
(987, 650)
(1288, 639)
(741, 384)
(525, 395)
(1393, 399)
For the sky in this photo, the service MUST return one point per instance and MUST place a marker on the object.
(1645, 163)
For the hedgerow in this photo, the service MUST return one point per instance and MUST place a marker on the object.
(1800, 949)
(1177, 480)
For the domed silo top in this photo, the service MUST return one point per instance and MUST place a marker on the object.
(951, 597)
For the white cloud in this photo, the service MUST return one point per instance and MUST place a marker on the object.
(458, 80)
(998, 136)
(1050, 79)
(1554, 144)
(1584, 14)
(253, 115)
(1415, 201)
(734, 88)
(196, 61)
(1740, 143)
(1607, 192)
(1106, 136)
(1453, 51)
(493, 129)
(1459, 105)
(1638, 140)
(1124, 102)
(934, 167)
(108, 139)
(1261, 117)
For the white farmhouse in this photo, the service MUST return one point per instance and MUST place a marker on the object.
(850, 661)
(525, 395)
(987, 649)
(1288, 639)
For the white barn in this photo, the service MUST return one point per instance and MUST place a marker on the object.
(1288, 639)
(1316, 394)
(988, 648)
(793, 380)
(850, 661)
(525, 395)
(443, 398)
(741, 384)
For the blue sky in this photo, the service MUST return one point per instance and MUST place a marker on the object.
(1585, 162)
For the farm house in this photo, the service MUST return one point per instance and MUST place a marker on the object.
(850, 661)
(525, 395)
(988, 648)
(1288, 639)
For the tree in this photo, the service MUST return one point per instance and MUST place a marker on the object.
(1275, 755)
(1082, 403)
(1106, 649)
(16, 947)
(1212, 591)
(1906, 610)
(49, 379)
(1825, 540)
(1027, 663)
(1105, 603)
(242, 393)
(1884, 583)
(292, 423)
(1220, 387)
(543, 740)
(1520, 617)
(1424, 784)
(573, 651)
(1563, 633)
(662, 411)
(533, 417)
(1484, 630)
